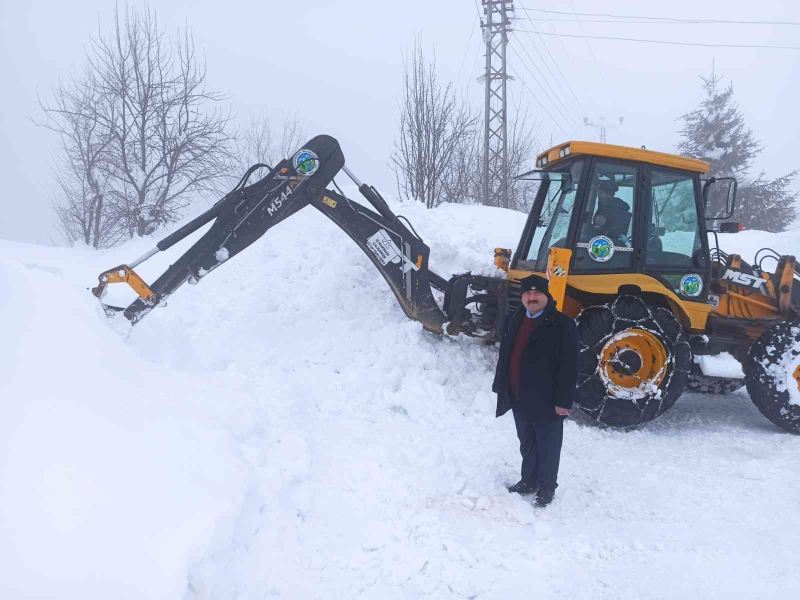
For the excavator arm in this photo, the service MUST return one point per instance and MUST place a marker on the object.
(399, 254)
(248, 211)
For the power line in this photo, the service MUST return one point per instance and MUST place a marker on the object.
(553, 93)
(567, 118)
(466, 51)
(555, 63)
(653, 21)
(539, 102)
(588, 44)
(668, 42)
(666, 19)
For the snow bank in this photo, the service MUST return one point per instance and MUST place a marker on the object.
(748, 242)
(111, 476)
(281, 430)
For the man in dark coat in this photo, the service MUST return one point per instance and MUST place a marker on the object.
(537, 371)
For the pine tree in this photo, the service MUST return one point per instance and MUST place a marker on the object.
(716, 132)
(767, 204)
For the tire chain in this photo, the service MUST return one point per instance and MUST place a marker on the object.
(761, 382)
(647, 322)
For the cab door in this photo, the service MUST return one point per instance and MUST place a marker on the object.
(676, 250)
(606, 233)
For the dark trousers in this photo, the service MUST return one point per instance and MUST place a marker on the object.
(540, 447)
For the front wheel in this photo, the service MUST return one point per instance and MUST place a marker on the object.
(772, 374)
(634, 361)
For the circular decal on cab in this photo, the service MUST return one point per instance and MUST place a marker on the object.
(306, 162)
(600, 248)
(691, 285)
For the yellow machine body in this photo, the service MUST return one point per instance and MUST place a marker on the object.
(746, 311)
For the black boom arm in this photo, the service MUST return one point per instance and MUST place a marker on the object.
(247, 212)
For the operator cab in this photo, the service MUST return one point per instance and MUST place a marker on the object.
(619, 210)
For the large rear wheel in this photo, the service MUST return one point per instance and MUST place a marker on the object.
(634, 361)
(772, 374)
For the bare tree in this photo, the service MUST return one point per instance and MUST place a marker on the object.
(464, 179)
(522, 150)
(81, 201)
(259, 141)
(164, 146)
(158, 136)
(433, 123)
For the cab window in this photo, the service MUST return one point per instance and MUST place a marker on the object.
(674, 229)
(560, 190)
(605, 230)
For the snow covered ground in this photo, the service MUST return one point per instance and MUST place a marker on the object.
(281, 430)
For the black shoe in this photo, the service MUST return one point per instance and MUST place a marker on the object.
(523, 488)
(544, 497)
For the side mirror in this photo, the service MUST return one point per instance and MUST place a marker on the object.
(539, 175)
(720, 192)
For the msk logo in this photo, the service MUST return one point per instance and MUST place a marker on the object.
(744, 279)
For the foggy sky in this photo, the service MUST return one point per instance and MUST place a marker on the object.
(337, 66)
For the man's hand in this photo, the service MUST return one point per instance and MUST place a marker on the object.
(562, 412)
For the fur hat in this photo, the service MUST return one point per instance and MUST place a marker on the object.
(534, 282)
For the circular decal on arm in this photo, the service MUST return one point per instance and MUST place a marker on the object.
(600, 248)
(306, 162)
(691, 285)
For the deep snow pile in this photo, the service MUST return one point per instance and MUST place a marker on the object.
(112, 469)
(281, 430)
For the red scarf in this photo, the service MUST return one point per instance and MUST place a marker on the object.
(526, 328)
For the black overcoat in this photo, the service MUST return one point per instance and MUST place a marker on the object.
(549, 370)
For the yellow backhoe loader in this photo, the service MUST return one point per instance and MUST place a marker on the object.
(622, 235)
